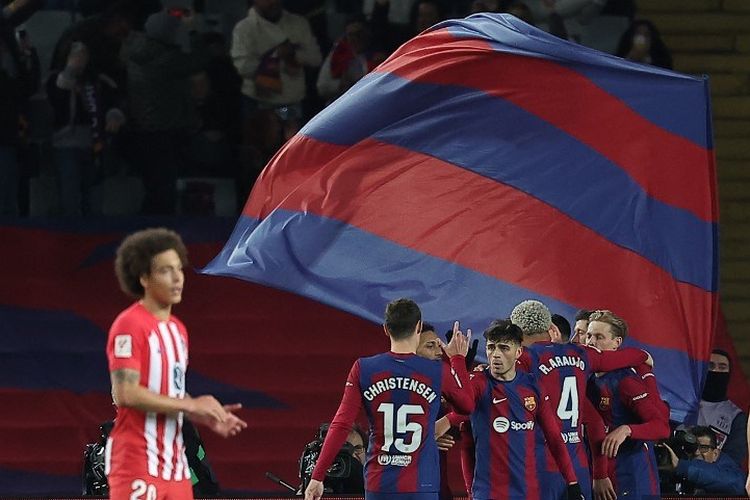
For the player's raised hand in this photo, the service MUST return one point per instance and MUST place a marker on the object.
(233, 424)
(459, 343)
(314, 490)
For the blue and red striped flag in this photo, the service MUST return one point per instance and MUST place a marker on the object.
(487, 162)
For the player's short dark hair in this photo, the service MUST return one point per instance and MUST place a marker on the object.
(136, 251)
(563, 325)
(427, 327)
(700, 430)
(401, 318)
(720, 352)
(503, 330)
(582, 314)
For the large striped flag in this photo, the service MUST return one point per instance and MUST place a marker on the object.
(487, 162)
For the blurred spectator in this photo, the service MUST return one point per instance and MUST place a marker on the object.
(262, 138)
(350, 59)
(717, 412)
(389, 36)
(161, 107)
(103, 35)
(709, 471)
(270, 49)
(642, 43)
(399, 11)
(218, 100)
(86, 106)
(19, 80)
(522, 12)
(487, 6)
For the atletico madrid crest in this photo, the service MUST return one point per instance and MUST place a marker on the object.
(529, 403)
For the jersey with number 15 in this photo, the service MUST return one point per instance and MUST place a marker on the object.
(400, 394)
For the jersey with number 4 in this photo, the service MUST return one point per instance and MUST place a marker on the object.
(400, 394)
(563, 371)
(143, 445)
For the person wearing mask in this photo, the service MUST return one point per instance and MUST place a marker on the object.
(717, 412)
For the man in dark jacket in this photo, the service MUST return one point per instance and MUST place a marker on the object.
(710, 470)
(19, 80)
(162, 111)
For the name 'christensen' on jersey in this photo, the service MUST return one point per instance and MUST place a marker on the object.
(560, 361)
(405, 383)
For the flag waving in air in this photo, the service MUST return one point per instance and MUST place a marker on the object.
(487, 162)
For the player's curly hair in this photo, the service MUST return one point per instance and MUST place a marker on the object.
(134, 255)
(616, 323)
(532, 317)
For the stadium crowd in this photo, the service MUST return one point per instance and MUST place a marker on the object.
(141, 94)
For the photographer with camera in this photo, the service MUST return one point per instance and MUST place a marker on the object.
(345, 475)
(708, 470)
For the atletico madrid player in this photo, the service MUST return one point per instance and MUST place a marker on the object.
(147, 350)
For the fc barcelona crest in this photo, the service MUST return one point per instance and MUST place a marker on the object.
(529, 403)
(604, 403)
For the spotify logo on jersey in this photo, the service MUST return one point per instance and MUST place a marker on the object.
(501, 424)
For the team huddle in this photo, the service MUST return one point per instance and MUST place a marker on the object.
(543, 419)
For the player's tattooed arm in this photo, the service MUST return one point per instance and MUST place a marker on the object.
(127, 392)
(121, 378)
(125, 376)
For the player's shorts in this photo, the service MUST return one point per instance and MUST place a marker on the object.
(149, 488)
(556, 487)
(636, 473)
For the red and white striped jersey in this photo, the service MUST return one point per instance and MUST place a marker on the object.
(148, 444)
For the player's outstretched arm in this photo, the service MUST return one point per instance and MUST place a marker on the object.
(128, 393)
(607, 361)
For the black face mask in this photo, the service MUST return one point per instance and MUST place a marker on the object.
(716, 386)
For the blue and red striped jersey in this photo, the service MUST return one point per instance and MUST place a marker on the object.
(400, 394)
(511, 420)
(563, 371)
(622, 398)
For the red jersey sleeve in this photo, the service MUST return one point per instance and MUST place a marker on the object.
(476, 387)
(649, 380)
(351, 404)
(553, 435)
(595, 434)
(455, 385)
(125, 344)
(635, 395)
(607, 361)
